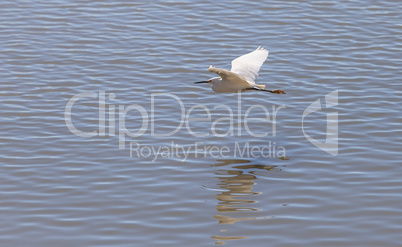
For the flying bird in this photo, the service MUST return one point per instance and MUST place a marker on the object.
(242, 76)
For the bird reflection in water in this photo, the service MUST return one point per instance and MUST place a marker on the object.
(236, 190)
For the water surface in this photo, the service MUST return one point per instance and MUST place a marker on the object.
(57, 188)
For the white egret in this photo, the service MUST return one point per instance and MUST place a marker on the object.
(242, 76)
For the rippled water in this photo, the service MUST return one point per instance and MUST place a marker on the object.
(205, 186)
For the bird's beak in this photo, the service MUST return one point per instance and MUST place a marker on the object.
(202, 82)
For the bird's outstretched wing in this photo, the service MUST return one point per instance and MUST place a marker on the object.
(249, 64)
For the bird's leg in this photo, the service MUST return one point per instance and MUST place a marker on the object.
(277, 91)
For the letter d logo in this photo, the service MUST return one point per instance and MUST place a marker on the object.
(331, 139)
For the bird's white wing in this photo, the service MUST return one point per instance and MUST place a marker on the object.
(248, 65)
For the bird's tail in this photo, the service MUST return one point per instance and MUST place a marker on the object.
(260, 86)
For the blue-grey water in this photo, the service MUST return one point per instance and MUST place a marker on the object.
(106, 141)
